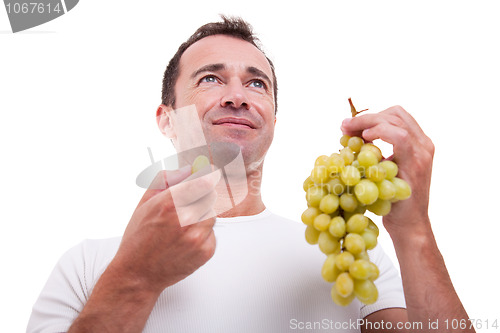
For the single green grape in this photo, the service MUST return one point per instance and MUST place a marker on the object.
(339, 300)
(380, 207)
(344, 140)
(335, 164)
(391, 169)
(314, 195)
(386, 190)
(365, 291)
(348, 202)
(375, 173)
(335, 186)
(354, 243)
(362, 255)
(329, 203)
(403, 190)
(370, 238)
(350, 175)
(321, 160)
(344, 284)
(309, 215)
(367, 158)
(330, 271)
(373, 227)
(344, 260)
(355, 143)
(307, 183)
(374, 149)
(327, 243)
(347, 154)
(357, 223)
(366, 192)
(312, 235)
(337, 227)
(319, 174)
(375, 272)
(361, 169)
(361, 209)
(360, 269)
(322, 222)
(199, 163)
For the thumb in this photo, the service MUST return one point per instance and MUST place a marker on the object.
(165, 179)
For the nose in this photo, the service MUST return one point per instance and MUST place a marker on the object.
(235, 96)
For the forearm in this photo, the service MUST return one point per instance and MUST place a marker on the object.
(117, 304)
(429, 292)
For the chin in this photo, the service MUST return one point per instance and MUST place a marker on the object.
(251, 144)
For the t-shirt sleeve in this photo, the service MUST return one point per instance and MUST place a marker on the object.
(63, 296)
(389, 284)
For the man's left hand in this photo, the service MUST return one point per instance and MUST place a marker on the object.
(413, 152)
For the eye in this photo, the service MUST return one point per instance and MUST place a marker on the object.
(209, 79)
(258, 84)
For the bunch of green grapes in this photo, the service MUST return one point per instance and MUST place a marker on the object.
(339, 190)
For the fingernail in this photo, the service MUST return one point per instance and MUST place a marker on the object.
(346, 122)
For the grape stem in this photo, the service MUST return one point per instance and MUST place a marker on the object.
(353, 109)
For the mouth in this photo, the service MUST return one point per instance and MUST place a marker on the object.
(235, 122)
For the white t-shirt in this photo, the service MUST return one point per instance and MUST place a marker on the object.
(263, 277)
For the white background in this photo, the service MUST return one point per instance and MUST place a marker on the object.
(77, 112)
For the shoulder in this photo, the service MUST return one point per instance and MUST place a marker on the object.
(101, 247)
(279, 220)
(89, 258)
(91, 248)
(70, 284)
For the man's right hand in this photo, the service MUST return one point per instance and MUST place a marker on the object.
(158, 248)
(156, 251)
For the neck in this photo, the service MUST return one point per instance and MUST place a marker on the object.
(242, 197)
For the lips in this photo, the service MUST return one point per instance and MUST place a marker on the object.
(236, 122)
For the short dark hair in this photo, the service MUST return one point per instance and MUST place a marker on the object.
(235, 27)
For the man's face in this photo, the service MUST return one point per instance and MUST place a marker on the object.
(230, 83)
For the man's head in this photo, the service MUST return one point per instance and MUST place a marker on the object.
(221, 80)
(235, 27)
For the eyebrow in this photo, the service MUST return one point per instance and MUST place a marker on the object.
(208, 68)
(257, 72)
(220, 67)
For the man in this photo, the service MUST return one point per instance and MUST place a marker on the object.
(261, 276)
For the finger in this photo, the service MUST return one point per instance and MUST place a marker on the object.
(206, 221)
(200, 173)
(186, 192)
(163, 180)
(355, 126)
(397, 136)
(197, 211)
(209, 246)
(394, 115)
(408, 119)
(386, 132)
(191, 190)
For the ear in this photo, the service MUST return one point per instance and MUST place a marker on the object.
(164, 121)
